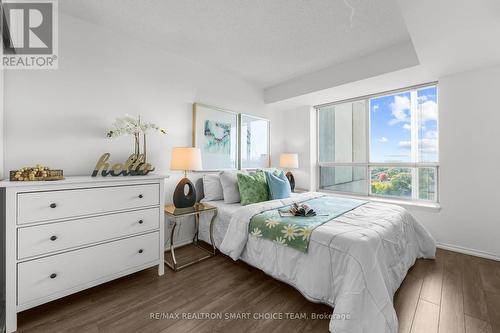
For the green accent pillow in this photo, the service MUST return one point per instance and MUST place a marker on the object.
(253, 188)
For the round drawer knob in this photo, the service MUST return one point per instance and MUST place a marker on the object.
(53, 275)
(141, 250)
(141, 196)
(53, 238)
(53, 205)
(141, 221)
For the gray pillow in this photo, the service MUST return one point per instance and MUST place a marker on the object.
(230, 188)
(212, 188)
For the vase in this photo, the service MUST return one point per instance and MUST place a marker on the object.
(137, 152)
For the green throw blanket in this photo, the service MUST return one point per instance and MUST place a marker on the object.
(295, 231)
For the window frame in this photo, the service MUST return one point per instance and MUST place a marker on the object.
(415, 144)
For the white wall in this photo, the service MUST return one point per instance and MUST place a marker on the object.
(469, 118)
(291, 134)
(469, 161)
(59, 118)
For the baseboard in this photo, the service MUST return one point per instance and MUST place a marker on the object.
(465, 250)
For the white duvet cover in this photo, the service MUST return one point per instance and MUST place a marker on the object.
(355, 262)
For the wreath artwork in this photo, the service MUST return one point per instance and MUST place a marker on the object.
(218, 137)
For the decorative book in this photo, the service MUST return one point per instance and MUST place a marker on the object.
(300, 209)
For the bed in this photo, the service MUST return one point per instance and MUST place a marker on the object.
(355, 262)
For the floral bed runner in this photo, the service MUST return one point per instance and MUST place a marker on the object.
(295, 231)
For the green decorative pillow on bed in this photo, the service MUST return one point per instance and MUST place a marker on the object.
(253, 188)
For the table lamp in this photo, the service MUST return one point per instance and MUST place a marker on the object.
(185, 159)
(289, 161)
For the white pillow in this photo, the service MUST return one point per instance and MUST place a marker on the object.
(230, 188)
(212, 188)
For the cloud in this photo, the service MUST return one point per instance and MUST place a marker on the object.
(375, 108)
(429, 142)
(422, 98)
(428, 111)
(405, 144)
(383, 139)
(407, 126)
(399, 108)
(427, 145)
(431, 135)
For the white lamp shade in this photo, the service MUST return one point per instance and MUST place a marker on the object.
(186, 159)
(289, 161)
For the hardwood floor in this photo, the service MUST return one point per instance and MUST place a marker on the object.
(450, 294)
(454, 293)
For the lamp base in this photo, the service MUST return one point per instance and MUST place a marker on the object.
(182, 200)
(291, 180)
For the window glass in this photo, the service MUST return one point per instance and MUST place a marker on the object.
(427, 125)
(401, 157)
(390, 128)
(391, 182)
(344, 179)
(342, 133)
(427, 184)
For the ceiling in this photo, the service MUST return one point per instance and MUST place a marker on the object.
(305, 51)
(447, 36)
(453, 36)
(265, 42)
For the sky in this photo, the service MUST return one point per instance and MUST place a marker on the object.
(390, 132)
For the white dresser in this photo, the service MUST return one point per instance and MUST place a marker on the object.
(65, 236)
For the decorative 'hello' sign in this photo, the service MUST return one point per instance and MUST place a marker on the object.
(134, 166)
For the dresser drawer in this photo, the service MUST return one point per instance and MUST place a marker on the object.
(51, 237)
(59, 274)
(51, 205)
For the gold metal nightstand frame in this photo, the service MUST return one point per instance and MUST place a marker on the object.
(176, 213)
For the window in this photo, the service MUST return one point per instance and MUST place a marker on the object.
(381, 145)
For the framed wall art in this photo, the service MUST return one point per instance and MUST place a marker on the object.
(215, 132)
(254, 142)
